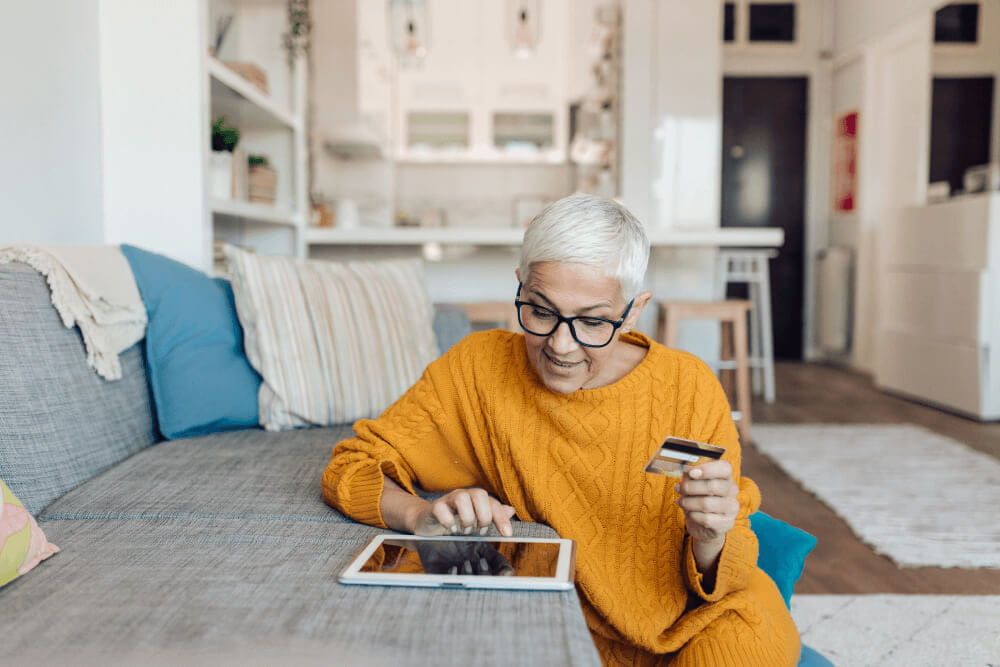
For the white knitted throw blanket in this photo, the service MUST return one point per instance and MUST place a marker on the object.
(92, 288)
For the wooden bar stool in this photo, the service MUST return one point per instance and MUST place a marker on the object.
(732, 316)
(753, 268)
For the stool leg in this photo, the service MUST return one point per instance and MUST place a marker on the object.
(766, 333)
(742, 378)
(727, 351)
(756, 349)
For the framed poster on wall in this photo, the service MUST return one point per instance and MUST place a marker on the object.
(845, 163)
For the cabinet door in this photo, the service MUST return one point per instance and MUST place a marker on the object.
(524, 97)
(446, 81)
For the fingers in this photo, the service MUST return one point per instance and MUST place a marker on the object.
(711, 470)
(443, 515)
(502, 515)
(462, 502)
(707, 487)
(728, 507)
(481, 501)
(466, 511)
(717, 523)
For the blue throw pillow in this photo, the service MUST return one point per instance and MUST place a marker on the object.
(783, 551)
(199, 374)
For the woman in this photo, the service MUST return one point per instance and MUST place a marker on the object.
(557, 425)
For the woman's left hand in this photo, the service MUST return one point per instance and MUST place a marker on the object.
(708, 498)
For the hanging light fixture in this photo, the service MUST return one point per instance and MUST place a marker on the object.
(524, 21)
(409, 28)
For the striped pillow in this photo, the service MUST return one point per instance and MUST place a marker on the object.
(333, 341)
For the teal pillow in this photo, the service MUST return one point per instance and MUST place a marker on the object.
(199, 375)
(783, 551)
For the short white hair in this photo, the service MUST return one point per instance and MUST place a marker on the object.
(590, 230)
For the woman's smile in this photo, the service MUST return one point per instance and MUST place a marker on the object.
(558, 363)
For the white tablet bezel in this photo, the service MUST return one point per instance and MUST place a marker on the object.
(562, 581)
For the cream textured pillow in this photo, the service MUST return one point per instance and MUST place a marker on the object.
(333, 341)
(22, 542)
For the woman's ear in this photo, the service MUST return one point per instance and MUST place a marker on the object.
(637, 307)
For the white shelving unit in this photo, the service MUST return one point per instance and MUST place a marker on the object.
(271, 124)
(253, 212)
(244, 103)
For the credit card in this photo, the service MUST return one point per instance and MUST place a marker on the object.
(676, 455)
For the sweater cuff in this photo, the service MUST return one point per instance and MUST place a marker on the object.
(365, 499)
(732, 572)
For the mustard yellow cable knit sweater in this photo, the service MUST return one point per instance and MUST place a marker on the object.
(479, 417)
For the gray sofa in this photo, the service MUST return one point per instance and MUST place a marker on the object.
(211, 550)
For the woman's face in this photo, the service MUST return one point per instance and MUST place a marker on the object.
(562, 364)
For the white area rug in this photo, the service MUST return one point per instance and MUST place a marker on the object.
(915, 496)
(904, 630)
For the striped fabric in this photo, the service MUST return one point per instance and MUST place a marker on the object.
(334, 342)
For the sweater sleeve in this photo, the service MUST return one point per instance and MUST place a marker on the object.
(423, 439)
(738, 558)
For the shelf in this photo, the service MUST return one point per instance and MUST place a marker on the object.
(411, 158)
(243, 104)
(260, 213)
(764, 237)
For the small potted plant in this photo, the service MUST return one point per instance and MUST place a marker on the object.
(263, 180)
(225, 138)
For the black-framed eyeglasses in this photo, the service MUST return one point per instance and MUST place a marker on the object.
(586, 330)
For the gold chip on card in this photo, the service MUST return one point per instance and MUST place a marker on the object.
(676, 455)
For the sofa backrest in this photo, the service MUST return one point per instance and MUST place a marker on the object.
(60, 423)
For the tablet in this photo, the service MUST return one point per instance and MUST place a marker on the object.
(513, 563)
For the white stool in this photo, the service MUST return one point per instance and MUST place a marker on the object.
(751, 267)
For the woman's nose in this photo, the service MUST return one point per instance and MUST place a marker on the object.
(561, 340)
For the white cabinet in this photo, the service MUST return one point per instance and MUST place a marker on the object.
(471, 98)
(939, 333)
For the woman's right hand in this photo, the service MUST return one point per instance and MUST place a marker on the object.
(463, 512)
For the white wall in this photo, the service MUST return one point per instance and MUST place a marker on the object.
(50, 124)
(153, 180)
(862, 21)
(882, 70)
(671, 138)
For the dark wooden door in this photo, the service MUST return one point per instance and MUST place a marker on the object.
(763, 185)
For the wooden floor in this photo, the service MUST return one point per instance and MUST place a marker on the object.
(841, 563)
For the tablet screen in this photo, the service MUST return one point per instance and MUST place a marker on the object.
(463, 557)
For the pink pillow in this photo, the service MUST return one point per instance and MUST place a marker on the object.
(22, 542)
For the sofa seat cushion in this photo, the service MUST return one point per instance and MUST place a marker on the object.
(247, 474)
(201, 589)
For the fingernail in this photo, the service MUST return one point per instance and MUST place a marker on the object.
(484, 530)
(468, 567)
(508, 531)
(454, 529)
(696, 473)
(468, 530)
(483, 565)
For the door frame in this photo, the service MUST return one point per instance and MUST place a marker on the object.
(819, 81)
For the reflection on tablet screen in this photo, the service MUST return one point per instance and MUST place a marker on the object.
(462, 557)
